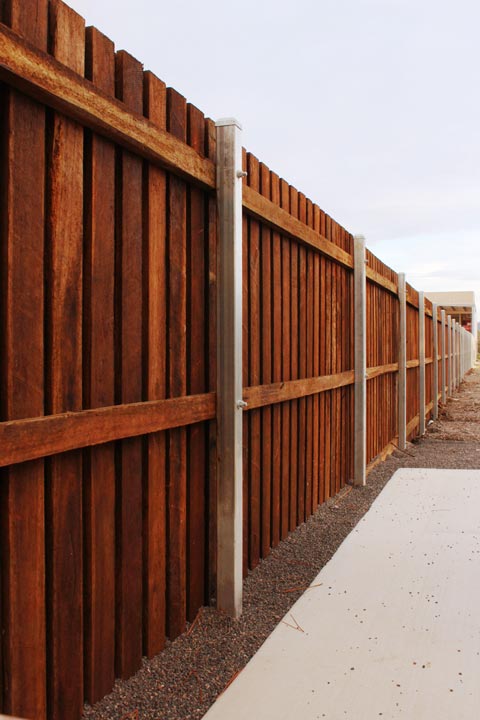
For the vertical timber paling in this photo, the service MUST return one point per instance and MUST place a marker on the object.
(197, 381)
(360, 361)
(99, 385)
(129, 276)
(22, 581)
(64, 251)
(266, 313)
(402, 363)
(255, 416)
(177, 381)
(154, 481)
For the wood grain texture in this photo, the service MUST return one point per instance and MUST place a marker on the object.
(22, 517)
(265, 340)
(285, 367)
(334, 359)
(49, 81)
(302, 365)
(309, 371)
(64, 255)
(129, 350)
(99, 386)
(316, 368)
(128, 353)
(294, 345)
(328, 368)
(177, 378)
(277, 342)
(197, 381)
(322, 366)
(24, 440)
(254, 439)
(155, 353)
(373, 372)
(289, 224)
(212, 370)
(376, 277)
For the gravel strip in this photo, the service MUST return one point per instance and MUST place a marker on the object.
(184, 680)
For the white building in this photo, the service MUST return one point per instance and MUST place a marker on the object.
(460, 305)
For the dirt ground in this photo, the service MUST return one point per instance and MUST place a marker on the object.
(183, 681)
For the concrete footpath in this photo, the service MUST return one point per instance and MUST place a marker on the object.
(391, 625)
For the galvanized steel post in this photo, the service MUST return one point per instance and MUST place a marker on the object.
(402, 363)
(459, 375)
(360, 348)
(229, 370)
(444, 362)
(435, 362)
(421, 346)
(454, 357)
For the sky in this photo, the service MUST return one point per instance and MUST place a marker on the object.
(369, 107)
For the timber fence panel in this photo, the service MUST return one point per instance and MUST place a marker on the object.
(382, 357)
(101, 359)
(110, 393)
(22, 488)
(312, 378)
(413, 370)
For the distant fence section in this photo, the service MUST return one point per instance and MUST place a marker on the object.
(116, 497)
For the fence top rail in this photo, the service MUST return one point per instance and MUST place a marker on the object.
(375, 277)
(268, 212)
(41, 76)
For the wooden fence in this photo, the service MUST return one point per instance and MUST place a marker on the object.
(108, 369)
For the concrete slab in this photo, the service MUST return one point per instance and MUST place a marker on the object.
(393, 630)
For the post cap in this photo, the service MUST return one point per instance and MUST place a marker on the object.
(223, 122)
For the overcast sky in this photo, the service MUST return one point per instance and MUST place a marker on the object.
(369, 107)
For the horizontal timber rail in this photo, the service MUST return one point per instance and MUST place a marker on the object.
(23, 440)
(414, 422)
(49, 81)
(374, 372)
(265, 210)
(379, 279)
(262, 395)
(382, 456)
